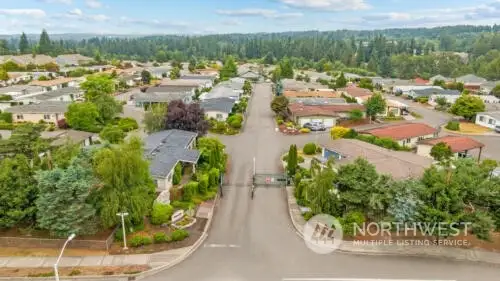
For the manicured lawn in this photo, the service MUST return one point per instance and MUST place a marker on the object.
(472, 128)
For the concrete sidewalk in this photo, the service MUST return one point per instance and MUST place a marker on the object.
(474, 255)
(156, 261)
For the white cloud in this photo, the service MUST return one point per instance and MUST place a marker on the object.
(76, 12)
(94, 4)
(177, 25)
(67, 2)
(36, 13)
(328, 5)
(98, 17)
(265, 13)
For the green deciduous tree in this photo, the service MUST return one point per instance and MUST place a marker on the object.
(247, 88)
(155, 118)
(280, 106)
(113, 134)
(83, 116)
(286, 68)
(441, 152)
(18, 191)
(108, 108)
(375, 105)
(4, 76)
(212, 153)
(341, 81)
(175, 73)
(467, 106)
(229, 69)
(63, 204)
(96, 86)
(25, 139)
(146, 77)
(321, 193)
(356, 115)
(496, 91)
(125, 183)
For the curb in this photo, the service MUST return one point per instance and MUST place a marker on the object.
(456, 254)
(138, 276)
(489, 134)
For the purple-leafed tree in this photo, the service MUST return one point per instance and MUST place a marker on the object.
(188, 117)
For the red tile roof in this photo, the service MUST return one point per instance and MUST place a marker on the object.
(402, 131)
(311, 94)
(456, 143)
(421, 81)
(298, 109)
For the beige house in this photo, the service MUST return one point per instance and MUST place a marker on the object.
(55, 84)
(407, 134)
(460, 146)
(48, 112)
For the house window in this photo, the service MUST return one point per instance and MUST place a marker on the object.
(20, 117)
(481, 118)
(420, 138)
(408, 140)
(46, 116)
(491, 121)
(218, 116)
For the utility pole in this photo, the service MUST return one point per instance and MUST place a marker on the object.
(123, 215)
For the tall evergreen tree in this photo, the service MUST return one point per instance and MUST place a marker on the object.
(24, 45)
(44, 45)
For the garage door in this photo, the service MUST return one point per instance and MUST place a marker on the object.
(329, 122)
(317, 120)
(302, 121)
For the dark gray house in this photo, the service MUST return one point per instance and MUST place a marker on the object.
(165, 149)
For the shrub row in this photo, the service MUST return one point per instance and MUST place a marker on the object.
(158, 238)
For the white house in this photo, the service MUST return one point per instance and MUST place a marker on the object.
(218, 108)
(165, 150)
(406, 90)
(452, 98)
(488, 119)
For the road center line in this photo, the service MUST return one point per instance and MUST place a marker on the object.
(221, 246)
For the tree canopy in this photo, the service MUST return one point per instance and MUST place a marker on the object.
(467, 106)
(188, 117)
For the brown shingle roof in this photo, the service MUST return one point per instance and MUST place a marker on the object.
(398, 164)
(311, 94)
(456, 143)
(356, 92)
(50, 83)
(298, 109)
(402, 131)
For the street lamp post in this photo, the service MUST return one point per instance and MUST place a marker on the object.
(56, 272)
(123, 215)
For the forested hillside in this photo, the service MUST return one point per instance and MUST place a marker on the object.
(404, 53)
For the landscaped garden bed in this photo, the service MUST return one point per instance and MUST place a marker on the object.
(72, 271)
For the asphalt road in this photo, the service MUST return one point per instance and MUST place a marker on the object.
(435, 118)
(255, 240)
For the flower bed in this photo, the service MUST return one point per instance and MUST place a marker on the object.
(185, 222)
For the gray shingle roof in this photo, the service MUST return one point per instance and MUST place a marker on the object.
(198, 77)
(471, 78)
(58, 93)
(430, 91)
(494, 114)
(318, 101)
(218, 104)
(169, 89)
(161, 97)
(43, 107)
(24, 89)
(220, 92)
(166, 148)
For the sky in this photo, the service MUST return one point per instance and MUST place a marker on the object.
(236, 16)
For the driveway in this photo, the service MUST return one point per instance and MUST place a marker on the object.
(254, 239)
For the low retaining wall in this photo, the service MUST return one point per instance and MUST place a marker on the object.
(24, 242)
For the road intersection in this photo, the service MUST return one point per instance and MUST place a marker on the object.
(254, 240)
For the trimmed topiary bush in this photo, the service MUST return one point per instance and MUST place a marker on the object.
(161, 213)
(309, 149)
(453, 125)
